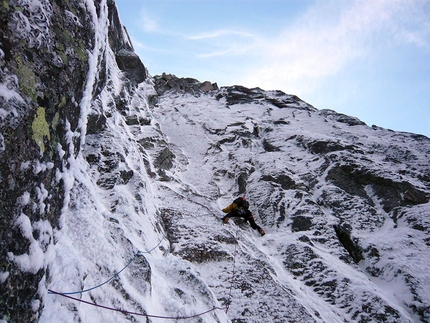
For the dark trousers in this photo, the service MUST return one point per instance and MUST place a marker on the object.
(250, 219)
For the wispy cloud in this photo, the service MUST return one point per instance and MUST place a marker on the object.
(326, 39)
(224, 42)
(221, 33)
(298, 57)
(229, 49)
(417, 39)
(148, 23)
(140, 46)
(413, 24)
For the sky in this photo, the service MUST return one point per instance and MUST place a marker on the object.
(365, 58)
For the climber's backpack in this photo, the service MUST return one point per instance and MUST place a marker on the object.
(241, 203)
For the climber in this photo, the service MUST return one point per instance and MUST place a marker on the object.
(240, 208)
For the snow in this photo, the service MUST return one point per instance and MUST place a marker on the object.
(103, 226)
(87, 249)
(390, 282)
(190, 127)
(35, 27)
(25, 198)
(8, 94)
(101, 229)
(36, 258)
(3, 276)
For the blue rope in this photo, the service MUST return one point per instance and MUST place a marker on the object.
(139, 253)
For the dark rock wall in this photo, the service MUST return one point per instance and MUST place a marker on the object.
(45, 64)
(44, 67)
(120, 43)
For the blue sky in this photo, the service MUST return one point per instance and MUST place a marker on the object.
(365, 58)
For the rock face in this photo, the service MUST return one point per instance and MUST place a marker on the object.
(112, 185)
(327, 189)
(120, 43)
(169, 82)
(46, 92)
(44, 67)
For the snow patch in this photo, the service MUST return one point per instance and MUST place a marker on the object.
(3, 276)
(35, 259)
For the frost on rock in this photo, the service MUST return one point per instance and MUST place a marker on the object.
(32, 22)
(113, 183)
(319, 187)
(43, 70)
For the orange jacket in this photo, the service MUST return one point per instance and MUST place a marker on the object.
(230, 208)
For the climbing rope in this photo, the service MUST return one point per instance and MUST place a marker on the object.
(139, 253)
(136, 313)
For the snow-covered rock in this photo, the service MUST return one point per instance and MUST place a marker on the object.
(113, 183)
(327, 189)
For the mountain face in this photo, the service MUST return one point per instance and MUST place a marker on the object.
(113, 181)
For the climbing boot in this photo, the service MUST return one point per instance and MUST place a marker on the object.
(225, 220)
(261, 232)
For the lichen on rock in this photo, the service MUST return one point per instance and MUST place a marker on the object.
(40, 128)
